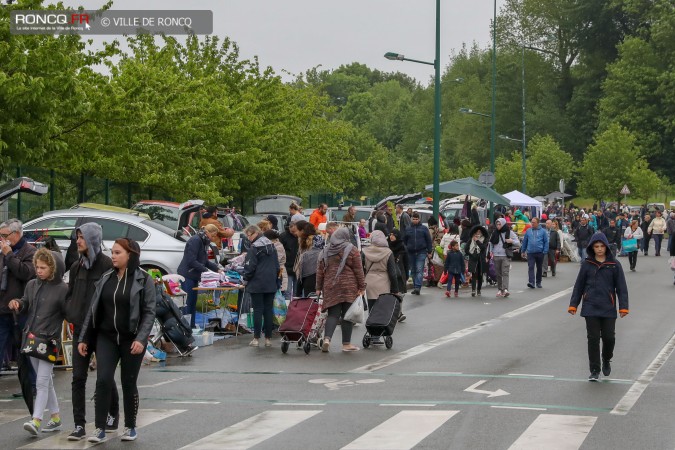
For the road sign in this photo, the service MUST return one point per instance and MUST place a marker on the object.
(487, 178)
(625, 190)
(561, 185)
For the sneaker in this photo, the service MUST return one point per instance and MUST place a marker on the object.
(268, 343)
(415, 292)
(98, 436)
(77, 434)
(456, 294)
(539, 286)
(254, 343)
(506, 293)
(401, 317)
(499, 294)
(544, 274)
(478, 293)
(530, 285)
(326, 345)
(606, 367)
(594, 376)
(51, 426)
(473, 293)
(447, 293)
(32, 426)
(111, 423)
(129, 434)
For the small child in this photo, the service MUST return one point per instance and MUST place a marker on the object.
(454, 266)
(44, 298)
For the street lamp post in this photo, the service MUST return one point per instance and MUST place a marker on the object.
(437, 103)
(494, 102)
(524, 174)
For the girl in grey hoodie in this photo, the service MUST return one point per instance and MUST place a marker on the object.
(45, 299)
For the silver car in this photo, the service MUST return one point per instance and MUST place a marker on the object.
(160, 248)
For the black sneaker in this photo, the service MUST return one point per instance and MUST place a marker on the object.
(78, 434)
(606, 367)
(530, 285)
(112, 423)
(594, 376)
(401, 317)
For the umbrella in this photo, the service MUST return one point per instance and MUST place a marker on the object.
(555, 195)
(24, 368)
(471, 186)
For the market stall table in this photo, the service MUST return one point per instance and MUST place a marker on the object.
(213, 290)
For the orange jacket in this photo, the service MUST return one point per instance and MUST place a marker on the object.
(316, 218)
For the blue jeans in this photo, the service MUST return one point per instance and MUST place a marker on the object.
(657, 243)
(582, 253)
(291, 287)
(417, 269)
(191, 300)
(532, 260)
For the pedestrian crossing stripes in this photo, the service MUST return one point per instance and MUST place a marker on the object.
(553, 431)
(60, 440)
(253, 430)
(402, 431)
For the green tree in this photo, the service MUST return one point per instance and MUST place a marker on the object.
(508, 173)
(608, 164)
(547, 163)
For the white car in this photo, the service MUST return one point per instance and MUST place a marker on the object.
(160, 248)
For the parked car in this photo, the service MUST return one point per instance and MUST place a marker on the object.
(160, 248)
(183, 217)
(277, 205)
(101, 207)
(336, 214)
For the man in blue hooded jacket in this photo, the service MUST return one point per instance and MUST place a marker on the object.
(535, 247)
(600, 282)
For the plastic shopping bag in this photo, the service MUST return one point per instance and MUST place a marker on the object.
(356, 313)
(279, 308)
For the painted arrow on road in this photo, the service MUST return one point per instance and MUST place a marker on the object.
(497, 393)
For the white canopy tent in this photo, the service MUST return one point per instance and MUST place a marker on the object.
(519, 199)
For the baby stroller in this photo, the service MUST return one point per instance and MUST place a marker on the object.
(382, 320)
(299, 324)
(173, 327)
(491, 274)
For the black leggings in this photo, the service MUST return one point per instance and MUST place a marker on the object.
(600, 328)
(334, 314)
(263, 313)
(632, 259)
(108, 354)
(79, 384)
(477, 278)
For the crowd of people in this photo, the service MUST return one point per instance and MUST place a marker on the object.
(110, 301)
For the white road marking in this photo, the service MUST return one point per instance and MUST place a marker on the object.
(440, 373)
(633, 395)
(403, 431)
(530, 375)
(472, 389)
(298, 404)
(162, 383)
(423, 348)
(526, 408)
(555, 432)
(408, 404)
(10, 415)
(252, 431)
(60, 440)
(196, 402)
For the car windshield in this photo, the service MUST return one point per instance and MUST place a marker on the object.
(278, 204)
(166, 230)
(161, 214)
(339, 214)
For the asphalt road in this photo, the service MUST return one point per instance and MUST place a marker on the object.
(466, 373)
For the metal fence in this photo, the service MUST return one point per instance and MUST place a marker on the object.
(68, 189)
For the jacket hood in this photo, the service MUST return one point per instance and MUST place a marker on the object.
(262, 241)
(92, 234)
(595, 238)
(59, 269)
(477, 228)
(376, 254)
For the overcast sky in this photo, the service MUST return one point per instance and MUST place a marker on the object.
(295, 35)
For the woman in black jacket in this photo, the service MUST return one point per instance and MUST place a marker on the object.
(262, 279)
(121, 315)
(475, 249)
(195, 261)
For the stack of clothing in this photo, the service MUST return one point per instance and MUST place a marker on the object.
(209, 279)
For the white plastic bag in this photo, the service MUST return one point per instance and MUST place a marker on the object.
(355, 313)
